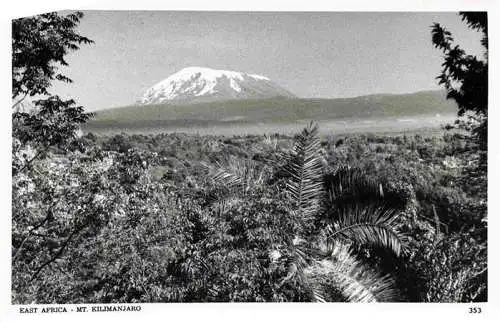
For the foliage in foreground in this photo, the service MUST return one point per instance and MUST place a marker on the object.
(144, 219)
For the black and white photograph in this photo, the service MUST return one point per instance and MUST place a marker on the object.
(247, 156)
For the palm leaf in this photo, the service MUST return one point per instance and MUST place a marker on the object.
(223, 204)
(348, 185)
(237, 173)
(305, 171)
(225, 178)
(298, 261)
(351, 185)
(342, 273)
(367, 225)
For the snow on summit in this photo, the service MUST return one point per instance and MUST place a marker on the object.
(201, 84)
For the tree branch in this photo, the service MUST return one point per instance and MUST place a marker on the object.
(59, 252)
(18, 102)
(47, 217)
(28, 162)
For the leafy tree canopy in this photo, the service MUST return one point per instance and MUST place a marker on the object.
(39, 44)
(464, 76)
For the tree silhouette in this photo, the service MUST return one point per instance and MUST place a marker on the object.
(39, 46)
(464, 76)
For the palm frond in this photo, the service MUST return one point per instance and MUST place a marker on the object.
(237, 173)
(351, 184)
(348, 185)
(367, 225)
(225, 178)
(305, 170)
(297, 261)
(341, 273)
(223, 204)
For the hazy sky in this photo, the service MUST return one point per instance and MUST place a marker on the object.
(322, 54)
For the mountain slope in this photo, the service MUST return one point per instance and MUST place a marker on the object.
(274, 110)
(199, 84)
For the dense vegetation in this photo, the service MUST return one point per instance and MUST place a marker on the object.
(194, 218)
(184, 218)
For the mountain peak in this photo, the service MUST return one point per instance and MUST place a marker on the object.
(215, 73)
(201, 84)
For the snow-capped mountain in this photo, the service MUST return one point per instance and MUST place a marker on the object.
(199, 84)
